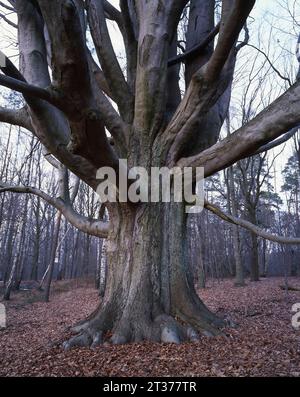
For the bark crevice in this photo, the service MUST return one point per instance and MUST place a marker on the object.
(149, 294)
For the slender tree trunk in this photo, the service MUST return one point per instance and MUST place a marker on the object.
(264, 258)
(20, 259)
(254, 261)
(98, 267)
(103, 269)
(10, 282)
(35, 257)
(201, 269)
(52, 258)
(239, 273)
(254, 265)
(198, 250)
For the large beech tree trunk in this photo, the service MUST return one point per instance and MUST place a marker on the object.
(149, 294)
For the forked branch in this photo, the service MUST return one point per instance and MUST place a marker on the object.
(195, 50)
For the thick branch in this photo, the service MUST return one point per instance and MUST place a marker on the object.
(277, 142)
(250, 226)
(228, 36)
(73, 82)
(32, 47)
(10, 70)
(112, 13)
(91, 226)
(71, 76)
(130, 42)
(52, 129)
(33, 94)
(204, 96)
(281, 116)
(108, 60)
(18, 117)
(199, 98)
(99, 76)
(157, 28)
(27, 89)
(109, 115)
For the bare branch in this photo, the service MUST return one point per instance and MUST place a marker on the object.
(3, 16)
(51, 159)
(18, 117)
(250, 226)
(112, 13)
(109, 115)
(108, 59)
(228, 35)
(271, 64)
(157, 29)
(9, 8)
(280, 116)
(246, 39)
(27, 89)
(130, 40)
(99, 76)
(63, 19)
(206, 92)
(91, 226)
(277, 142)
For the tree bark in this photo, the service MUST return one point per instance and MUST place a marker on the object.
(52, 258)
(149, 293)
(239, 274)
(254, 264)
(9, 284)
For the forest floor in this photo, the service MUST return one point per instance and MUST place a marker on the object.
(263, 344)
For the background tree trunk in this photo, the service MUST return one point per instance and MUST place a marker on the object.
(52, 258)
(254, 262)
(239, 273)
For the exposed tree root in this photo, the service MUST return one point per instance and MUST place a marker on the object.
(164, 328)
(239, 284)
